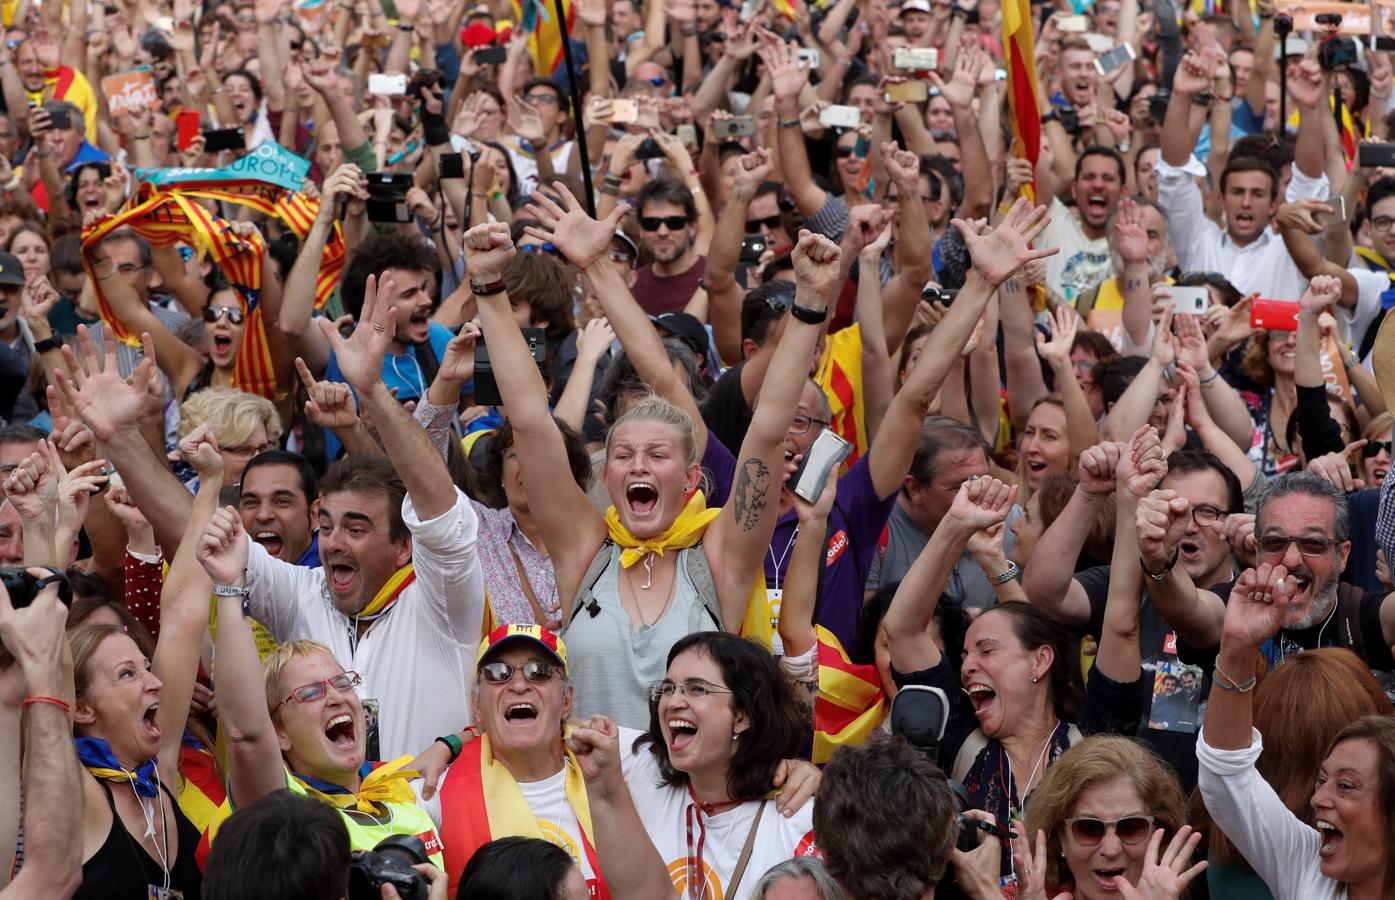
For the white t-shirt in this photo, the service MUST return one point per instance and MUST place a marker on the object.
(526, 167)
(1370, 284)
(548, 801)
(664, 813)
(1082, 263)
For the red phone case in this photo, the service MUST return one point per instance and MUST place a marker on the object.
(188, 125)
(1274, 315)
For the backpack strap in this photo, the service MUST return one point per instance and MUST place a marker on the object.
(964, 760)
(1347, 622)
(700, 574)
(599, 563)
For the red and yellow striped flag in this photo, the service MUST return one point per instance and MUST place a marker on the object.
(539, 19)
(840, 376)
(850, 704)
(1022, 85)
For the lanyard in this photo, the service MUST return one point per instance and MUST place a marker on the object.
(779, 563)
(697, 878)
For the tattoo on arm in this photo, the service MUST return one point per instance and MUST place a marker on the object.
(1013, 286)
(752, 490)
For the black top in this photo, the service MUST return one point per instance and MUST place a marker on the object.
(122, 867)
(726, 412)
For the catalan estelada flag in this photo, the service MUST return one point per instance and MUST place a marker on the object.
(850, 704)
(840, 376)
(1350, 134)
(539, 19)
(1022, 85)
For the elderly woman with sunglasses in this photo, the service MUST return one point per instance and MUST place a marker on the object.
(305, 729)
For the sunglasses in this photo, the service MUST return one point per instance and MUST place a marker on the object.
(844, 152)
(1129, 830)
(674, 223)
(309, 693)
(1275, 544)
(1374, 447)
(546, 247)
(214, 313)
(657, 82)
(533, 670)
(753, 226)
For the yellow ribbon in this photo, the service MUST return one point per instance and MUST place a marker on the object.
(686, 531)
(388, 592)
(386, 784)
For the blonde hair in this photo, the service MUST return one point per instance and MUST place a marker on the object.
(1378, 426)
(232, 414)
(1095, 761)
(653, 408)
(276, 663)
(1024, 488)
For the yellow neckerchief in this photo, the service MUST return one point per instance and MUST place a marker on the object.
(1373, 259)
(388, 593)
(385, 784)
(686, 531)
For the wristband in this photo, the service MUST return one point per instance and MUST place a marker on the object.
(485, 290)
(787, 123)
(30, 701)
(610, 190)
(1210, 378)
(612, 178)
(808, 316)
(1010, 573)
(1220, 679)
(452, 743)
(49, 343)
(406, 26)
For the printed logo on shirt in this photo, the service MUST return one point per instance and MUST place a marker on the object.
(836, 545)
(807, 847)
(432, 842)
(711, 884)
(555, 834)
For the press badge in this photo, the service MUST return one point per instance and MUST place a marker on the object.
(155, 892)
(773, 596)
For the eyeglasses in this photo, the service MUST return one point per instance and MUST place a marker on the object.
(533, 670)
(131, 268)
(1374, 447)
(753, 226)
(1207, 515)
(248, 450)
(1382, 223)
(718, 38)
(547, 98)
(212, 314)
(309, 693)
(801, 424)
(674, 223)
(693, 689)
(621, 258)
(1276, 544)
(1129, 830)
(844, 152)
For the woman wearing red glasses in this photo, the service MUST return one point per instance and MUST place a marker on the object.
(306, 729)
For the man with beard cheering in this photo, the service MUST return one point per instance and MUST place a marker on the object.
(1302, 523)
(668, 219)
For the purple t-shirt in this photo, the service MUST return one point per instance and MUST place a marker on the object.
(854, 527)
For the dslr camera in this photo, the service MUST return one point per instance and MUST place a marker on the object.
(1335, 50)
(389, 863)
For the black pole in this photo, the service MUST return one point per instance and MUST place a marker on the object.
(576, 108)
(1283, 94)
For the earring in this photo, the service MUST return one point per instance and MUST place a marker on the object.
(735, 735)
(1035, 679)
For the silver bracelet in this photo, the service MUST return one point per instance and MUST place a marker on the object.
(1011, 572)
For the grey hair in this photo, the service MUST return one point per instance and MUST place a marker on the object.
(1309, 485)
(798, 868)
(938, 434)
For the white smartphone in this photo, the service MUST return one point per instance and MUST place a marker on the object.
(1338, 214)
(394, 85)
(1108, 62)
(826, 454)
(808, 58)
(840, 116)
(921, 59)
(1190, 300)
(1073, 24)
(1099, 43)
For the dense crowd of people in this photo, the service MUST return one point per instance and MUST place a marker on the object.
(765, 450)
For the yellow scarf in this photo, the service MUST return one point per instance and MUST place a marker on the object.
(387, 594)
(385, 784)
(686, 531)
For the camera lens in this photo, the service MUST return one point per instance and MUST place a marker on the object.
(405, 847)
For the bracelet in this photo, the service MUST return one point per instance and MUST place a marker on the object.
(1007, 575)
(688, 32)
(787, 123)
(31, 700)
(216, 91)
(809, 316)
(453, 743)
(486, 290)
(406, 26)
(610, 190)
(1210, 378)
(51, 342)
(694, 188)
(1219, 679)
(612, 178)
(141, 137)
(1166, 570)
(11, 185)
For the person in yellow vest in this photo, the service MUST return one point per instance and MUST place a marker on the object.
(305, 730)
(1120, 307)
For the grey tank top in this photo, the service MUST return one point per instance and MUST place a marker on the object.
(612, 665)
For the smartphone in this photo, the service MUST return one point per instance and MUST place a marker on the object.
(735, 127)
(1190, 300)
(452, 165)
(383, 85)
(187, 128)
(921, 59)
(1073, 24)
(1108, 62)
(808, 58)
(486, 387)
(1382, 43)
(749, 8)
(1338, 214)
(840, 116)
(1000, 74)
(1372, 156)
(752, 248)
(1274, 315)
(650, 149)
(908, 92)
(217, 139)
(687, 133)
(826, 453)
(490, 56)
(1099, 43)
(60, 119)
(623, 112)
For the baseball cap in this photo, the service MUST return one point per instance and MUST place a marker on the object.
(1293, 46)
(685, 327)
(11, 272)
(914, 6)
(534, 634)
(630, 246)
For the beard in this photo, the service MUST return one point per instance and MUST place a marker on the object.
(1324, 599)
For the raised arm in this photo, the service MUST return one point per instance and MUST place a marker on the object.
(724, 254)
(1253, 615)
(1080, 422)
(787, 79)
(1179, 132)
(1195, 614)
(959, 91)
(982, 502)
(1135, 405)
(303, 339)
(254, 750)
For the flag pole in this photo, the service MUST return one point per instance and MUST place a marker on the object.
(577, 108)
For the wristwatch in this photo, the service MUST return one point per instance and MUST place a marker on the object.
(484, 290)
(1162, 576)
(808, 316)
(49, 343)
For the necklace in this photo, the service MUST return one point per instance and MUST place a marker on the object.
(634, 595)
(1032, 777)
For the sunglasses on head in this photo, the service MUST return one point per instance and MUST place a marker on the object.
(1374, 447)
(1130, 829)
(214, 313)
(533, 670)
(674, 223)
(753, 226)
